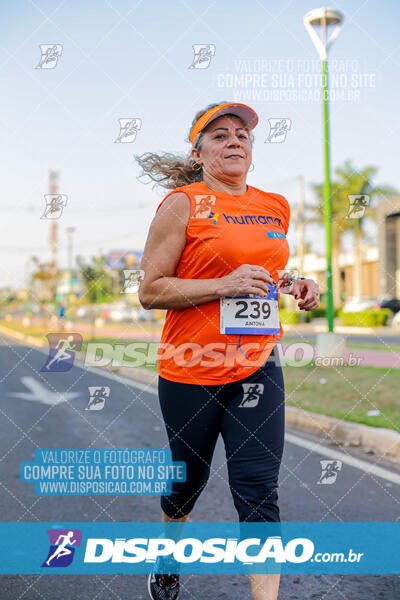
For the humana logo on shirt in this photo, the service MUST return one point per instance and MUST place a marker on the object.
(252, 219)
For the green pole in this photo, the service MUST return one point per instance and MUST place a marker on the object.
(327, 202)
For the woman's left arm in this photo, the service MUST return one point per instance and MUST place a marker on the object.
(306, 290)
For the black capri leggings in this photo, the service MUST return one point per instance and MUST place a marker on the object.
(249, 414)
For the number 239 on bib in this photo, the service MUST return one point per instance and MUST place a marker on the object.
(250, 314)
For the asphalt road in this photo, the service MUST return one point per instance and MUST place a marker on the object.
(132, 418)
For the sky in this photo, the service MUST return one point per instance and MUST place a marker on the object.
(123, 59)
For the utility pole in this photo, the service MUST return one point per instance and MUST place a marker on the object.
(70, 231)
(53, 189)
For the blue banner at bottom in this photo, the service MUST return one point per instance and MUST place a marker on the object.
(213, 547)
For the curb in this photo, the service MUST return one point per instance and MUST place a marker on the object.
(21, 336)
(377, 439)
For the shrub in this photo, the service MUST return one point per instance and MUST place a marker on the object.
(365, 318)
(289, 317)
(319, 312)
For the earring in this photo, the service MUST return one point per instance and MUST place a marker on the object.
(251, 169)
(199, 167)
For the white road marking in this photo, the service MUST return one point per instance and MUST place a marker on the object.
(40, 393)
(345, 458)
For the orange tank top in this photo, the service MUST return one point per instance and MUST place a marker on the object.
(224, 231)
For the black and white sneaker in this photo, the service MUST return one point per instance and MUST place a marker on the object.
(163, 582)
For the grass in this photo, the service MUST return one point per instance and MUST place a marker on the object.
(348, 393)
(383, 346)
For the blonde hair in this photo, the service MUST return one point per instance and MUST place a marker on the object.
(170, 170)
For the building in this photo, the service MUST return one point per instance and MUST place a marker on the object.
(389, 246)
(315, 268)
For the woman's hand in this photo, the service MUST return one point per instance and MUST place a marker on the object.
(308, 292)
(246, 279)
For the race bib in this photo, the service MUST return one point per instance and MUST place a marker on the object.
(251, 314)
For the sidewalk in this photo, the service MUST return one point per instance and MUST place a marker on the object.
(123, 331)
(364, 358)
(374, 358)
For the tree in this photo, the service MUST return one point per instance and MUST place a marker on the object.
(96, 279)
(349, 181)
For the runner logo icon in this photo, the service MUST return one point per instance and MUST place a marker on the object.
(202, 55)
(128, 129)
(204, 205)
(50, 55)
(61, 352)
(97, 397)
(62, 547)
(251, 394)
(330, 470)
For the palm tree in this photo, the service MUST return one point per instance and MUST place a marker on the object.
(349, 181)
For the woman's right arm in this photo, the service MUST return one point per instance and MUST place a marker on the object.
(164, 246)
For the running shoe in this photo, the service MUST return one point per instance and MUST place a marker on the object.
(163, 582)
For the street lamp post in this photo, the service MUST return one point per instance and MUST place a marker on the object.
(324, 18)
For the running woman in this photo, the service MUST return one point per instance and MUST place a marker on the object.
(211, 258)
